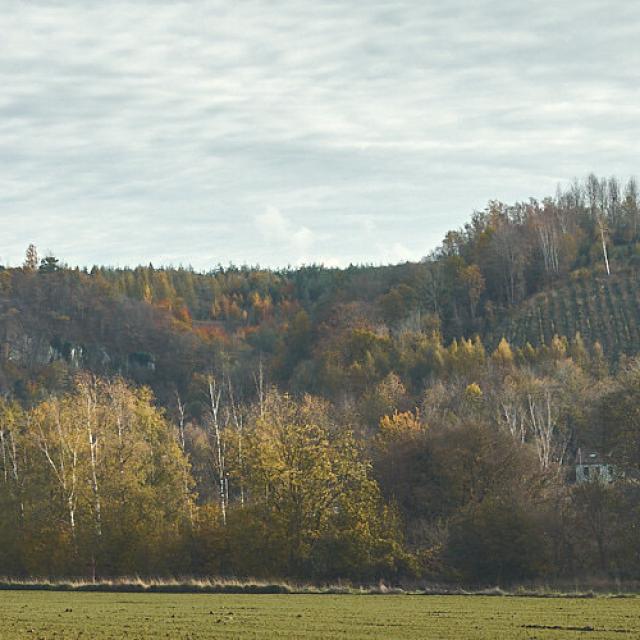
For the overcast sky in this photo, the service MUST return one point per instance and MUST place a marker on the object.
(279, 132)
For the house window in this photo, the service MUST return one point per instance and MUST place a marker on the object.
(586, 472)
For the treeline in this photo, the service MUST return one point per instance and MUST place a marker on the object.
(478, 282)
(475, 485)
(509, 252)
(99, 483)
(503, 255)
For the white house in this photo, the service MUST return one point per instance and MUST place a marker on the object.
(593, 468)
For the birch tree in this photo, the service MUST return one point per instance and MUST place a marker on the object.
(512, 414)
(597, 198)
(214, 395)
(87, 389)
(433, 285)
(548, 236)
(60, 438)
(238, 422)
(181, 411)
(543, 414)
(603, 229)
(12, 455)
(630, 206)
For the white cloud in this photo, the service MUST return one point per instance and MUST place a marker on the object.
(153, 130)
(283, 236)
(396, 252)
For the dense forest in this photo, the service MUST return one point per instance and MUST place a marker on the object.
(422, 421)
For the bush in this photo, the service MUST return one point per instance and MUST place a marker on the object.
(497, 541)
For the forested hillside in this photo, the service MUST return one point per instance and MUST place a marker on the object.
(420, 420)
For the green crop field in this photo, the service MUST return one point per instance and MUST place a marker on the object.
(34, 614)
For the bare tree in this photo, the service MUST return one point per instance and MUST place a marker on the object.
(11, 471)
(183, 446)
(592, 189)
(5, 456)
(238, 423)
(61, 444)
(31, 258)
(602, 226)
(550, 443)
(88, 389)
(433, 283)
(258, 378)
(631, 206)
(614, 201)
(214, 397)
(597, 195)
(510, 250)
(513, 416)
(118, 412)
(181, 420)
(546, 226)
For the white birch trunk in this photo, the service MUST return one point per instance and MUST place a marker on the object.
(604, 247)
(214, 405)
(183, 446)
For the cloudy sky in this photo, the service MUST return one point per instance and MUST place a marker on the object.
(288, 131)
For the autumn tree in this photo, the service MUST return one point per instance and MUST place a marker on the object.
(315, 485)
(31, 259)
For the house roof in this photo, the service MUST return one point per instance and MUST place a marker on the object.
(591, 458)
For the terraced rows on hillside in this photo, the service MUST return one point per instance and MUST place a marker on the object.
(606, 309)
